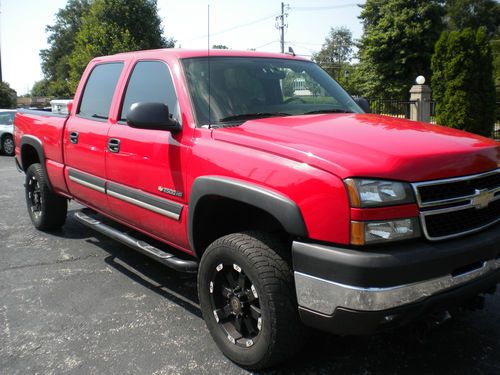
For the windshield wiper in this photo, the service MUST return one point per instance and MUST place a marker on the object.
(331, 110)
(249, 116)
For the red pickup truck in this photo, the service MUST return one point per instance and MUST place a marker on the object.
(259, 172)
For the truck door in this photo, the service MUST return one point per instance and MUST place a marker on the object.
(86, 136)
(145, 167)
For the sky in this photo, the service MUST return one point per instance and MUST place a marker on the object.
(238, 24)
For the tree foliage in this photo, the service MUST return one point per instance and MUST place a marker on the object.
(85, 29)
(461, 14)
(336, 54)
(495, 50)
(113, 26)
(55, 59)
(8, 96)
(462, 81)
(397, 44)
(41, 88)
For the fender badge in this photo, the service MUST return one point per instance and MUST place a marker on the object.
(170, 191)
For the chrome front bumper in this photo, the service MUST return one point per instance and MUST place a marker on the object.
(324, 296)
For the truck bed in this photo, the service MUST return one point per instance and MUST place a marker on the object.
(48, 127)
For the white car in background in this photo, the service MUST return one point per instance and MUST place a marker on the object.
(6, 131)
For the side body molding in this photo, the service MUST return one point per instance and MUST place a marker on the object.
(277, 205)
(37, 145)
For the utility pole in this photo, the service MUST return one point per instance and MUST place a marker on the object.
(280, 25)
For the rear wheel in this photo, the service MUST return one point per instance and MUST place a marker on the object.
(8, 146)
(46, 209)
(248, 299)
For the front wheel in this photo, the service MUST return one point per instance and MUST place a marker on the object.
(248, 300)
(8, 146)
(46, 209)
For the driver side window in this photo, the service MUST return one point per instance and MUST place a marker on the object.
(150, 81)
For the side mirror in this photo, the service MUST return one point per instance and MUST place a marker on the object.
(363, 103)
(153, 116)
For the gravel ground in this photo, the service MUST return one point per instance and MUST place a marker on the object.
(75, 302)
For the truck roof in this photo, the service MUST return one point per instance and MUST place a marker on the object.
(185, 53)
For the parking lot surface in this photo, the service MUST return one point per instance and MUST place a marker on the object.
(75, 302)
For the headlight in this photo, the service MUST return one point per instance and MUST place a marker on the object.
(377, 193)
(368, 232)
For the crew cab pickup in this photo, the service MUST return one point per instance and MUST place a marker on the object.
(260, 173)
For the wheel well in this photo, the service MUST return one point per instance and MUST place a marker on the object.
(28, 156)
(217, 216)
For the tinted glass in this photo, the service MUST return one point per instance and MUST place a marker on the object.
(99, 90)
(240, 88)
(150, 82)
(7, 118)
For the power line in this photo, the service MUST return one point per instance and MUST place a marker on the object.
(305, 9)
(231, 28)
(266, 44)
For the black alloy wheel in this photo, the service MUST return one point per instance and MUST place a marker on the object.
(34, 198)
(235, 304)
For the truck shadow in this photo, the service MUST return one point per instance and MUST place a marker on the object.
(466, 344)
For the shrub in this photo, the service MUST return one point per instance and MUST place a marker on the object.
(462, 83)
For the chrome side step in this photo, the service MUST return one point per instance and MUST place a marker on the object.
(167, 259)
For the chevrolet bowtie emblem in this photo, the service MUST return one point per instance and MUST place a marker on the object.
(482, 198)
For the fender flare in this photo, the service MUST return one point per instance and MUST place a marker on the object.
(279, 206)
(37, 145)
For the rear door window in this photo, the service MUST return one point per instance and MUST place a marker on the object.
(99, 90)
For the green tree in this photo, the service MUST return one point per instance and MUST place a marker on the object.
(288, 83)
(336, 54)
(55, 59)
(113, 26)
(8, 96)
(461, 14)
(41, 88)
(462, 81)
(495, 50)
(397, 44)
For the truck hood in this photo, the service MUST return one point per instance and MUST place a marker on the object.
(367, 145)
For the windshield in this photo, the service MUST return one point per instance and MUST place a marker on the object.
(243, 88)
(7, 118)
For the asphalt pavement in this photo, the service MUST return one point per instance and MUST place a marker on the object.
(75, 302)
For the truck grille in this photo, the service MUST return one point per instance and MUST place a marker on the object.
(457, 206)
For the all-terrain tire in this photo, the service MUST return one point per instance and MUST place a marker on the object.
(267, 293)
(46, 209)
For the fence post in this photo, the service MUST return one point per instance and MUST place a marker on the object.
(421, 96)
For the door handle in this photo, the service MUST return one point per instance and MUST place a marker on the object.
(73, 137)
(114, 145)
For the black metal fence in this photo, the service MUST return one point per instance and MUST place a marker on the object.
(392, 107)
(432, 107)
(402, 109)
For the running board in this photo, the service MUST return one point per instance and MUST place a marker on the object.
(163, 257)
